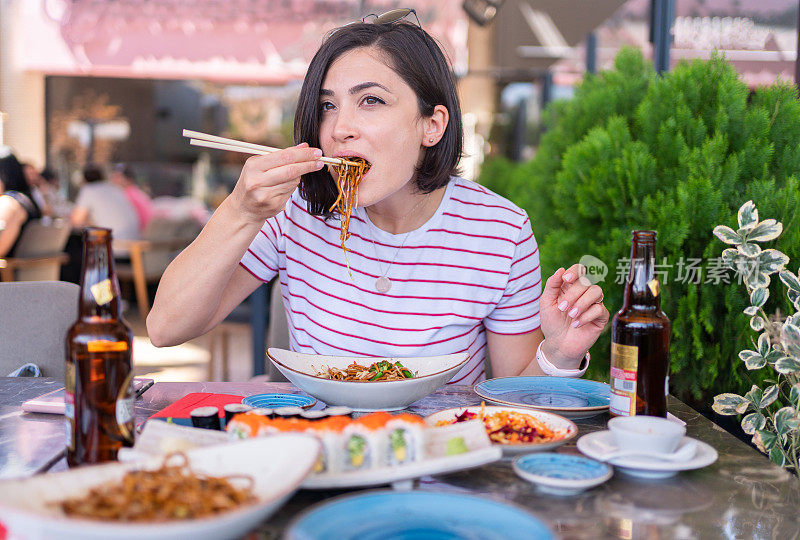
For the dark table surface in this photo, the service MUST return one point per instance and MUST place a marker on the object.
(742, 495)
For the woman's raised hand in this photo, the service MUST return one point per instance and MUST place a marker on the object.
(572, 316)
(267, 182)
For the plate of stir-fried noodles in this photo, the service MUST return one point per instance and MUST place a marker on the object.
(221, 491)
(367, 383)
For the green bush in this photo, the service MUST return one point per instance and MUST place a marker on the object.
(679, 154)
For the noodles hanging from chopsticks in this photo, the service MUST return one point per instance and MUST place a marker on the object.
(172, 492)
(349, 175)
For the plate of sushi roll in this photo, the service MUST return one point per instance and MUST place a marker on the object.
(367, 384)
(377, 448)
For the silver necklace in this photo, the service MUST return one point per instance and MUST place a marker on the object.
(383, 283)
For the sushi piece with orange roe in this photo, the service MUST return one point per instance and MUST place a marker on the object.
(330, 433)
(405, 443)
(364, 442)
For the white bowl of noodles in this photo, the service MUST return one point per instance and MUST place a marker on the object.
(272, 467)
(305, 372)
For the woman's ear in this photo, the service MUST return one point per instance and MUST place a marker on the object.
(435, 125)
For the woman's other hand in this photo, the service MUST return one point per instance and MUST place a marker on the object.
(572, 316)
(267, 182)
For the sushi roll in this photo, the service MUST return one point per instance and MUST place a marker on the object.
(284, 425)
(288, 412)
(263, 411)
(206, 417)
(315, 416)
(232, 409)
(405, 439)
(246, 425)
(339, 411)
(364, 442)
(329, 431)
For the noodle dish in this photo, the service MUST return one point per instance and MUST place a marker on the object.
(221, 491)
(367, 383)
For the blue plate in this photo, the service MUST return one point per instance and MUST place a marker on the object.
(573, 398)
(561, 474)
(417, 515)
(273, 401)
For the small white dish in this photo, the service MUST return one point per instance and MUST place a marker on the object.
(278, 464)
(553, 421)
(597, 444)
(646, 434)
(432, 372)
(561, 474)
(685, 452)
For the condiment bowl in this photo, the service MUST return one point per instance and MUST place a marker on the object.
(646, 434)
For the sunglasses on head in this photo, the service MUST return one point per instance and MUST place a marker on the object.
(391, 16)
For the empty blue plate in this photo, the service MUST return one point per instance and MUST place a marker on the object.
(561, 474)
(273, 401)
(417, 515)
(573, 398)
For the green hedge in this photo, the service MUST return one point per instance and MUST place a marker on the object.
(679, 154)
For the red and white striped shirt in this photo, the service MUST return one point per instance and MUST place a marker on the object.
(474, 265)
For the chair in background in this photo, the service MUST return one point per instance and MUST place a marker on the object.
(39, 253)
(275, 332)
(34, 319)
(162, 240)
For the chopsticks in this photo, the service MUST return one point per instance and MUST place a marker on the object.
(223, 143)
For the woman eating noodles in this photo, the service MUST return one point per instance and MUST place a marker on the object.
(433, 264)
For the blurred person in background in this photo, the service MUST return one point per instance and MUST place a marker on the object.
(59, 204)
(124, 177)
(37, 187)
(103, 204)
(17, 206)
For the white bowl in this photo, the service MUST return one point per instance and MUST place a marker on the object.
(432, 372)
(648, 434)
(277, 464)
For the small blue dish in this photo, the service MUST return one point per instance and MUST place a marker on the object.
(561, 474)
(273, 401)
(421, 515)
(573, 398)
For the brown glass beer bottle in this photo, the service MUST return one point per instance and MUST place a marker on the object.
(640, 335)
(99, 374)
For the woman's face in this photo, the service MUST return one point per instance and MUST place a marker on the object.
(367, 110)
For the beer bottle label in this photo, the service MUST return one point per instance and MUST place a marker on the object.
(624, 365)
(101, 346)
(103, 292)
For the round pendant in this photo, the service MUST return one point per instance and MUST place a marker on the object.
(383, 284)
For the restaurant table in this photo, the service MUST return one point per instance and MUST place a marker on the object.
(742, 495)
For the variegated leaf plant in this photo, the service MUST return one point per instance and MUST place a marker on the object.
(772, 415)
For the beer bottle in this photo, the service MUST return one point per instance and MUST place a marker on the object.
(640, 334)
(99, 374)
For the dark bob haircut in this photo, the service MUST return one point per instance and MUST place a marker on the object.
(417, 59)
(12, 175)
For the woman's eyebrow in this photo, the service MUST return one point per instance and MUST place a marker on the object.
(355, 89)
(363, 86)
